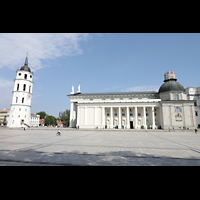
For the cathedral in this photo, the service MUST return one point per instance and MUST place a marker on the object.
(169, 108)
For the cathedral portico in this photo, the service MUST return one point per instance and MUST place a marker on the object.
(123, 115)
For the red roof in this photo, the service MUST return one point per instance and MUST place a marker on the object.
(41, 121)
(59, 122)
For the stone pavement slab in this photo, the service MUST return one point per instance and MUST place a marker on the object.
(41, 147)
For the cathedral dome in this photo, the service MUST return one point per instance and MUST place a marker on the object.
(171, 85)
(25, 67)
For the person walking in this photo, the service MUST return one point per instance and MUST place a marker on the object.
(58, 133)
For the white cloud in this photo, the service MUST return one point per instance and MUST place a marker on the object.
(143, 88)
(6, 83)
(40, 46)
(6, 88)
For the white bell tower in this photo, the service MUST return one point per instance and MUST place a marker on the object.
(20, 111)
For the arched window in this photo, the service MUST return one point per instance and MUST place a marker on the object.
(24, 87)
(23, 100)
(29, 89)
(25, 76)
(18, 87)
(178, 109)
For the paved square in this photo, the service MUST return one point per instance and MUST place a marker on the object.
(41, 147)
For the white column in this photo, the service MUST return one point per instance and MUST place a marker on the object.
(136, 118)
(127, 118)
(71, 115)
(120, 117)
(111, 117)
(85, 115)
(144, 115)
(78, 115)
(95, 116)
(153, 118)
(103, 117)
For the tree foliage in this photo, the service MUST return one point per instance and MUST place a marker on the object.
(65, 117)
(50, 120)
(42, 114)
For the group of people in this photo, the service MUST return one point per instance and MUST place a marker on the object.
(195, 130)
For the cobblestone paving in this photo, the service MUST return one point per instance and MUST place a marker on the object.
(41, 147)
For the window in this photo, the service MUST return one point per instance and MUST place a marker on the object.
(131, 112)
(115, 112)
(196, 113)
(19, 74)
(147, 112)
(176, 97)
(16, 99)
(178, 109)
(25, 76)
(17, 86)
(22, 99)
(108, 112)
(30, 76)
(29, 89)
(139, 112)
(24, 89)
(123, 112)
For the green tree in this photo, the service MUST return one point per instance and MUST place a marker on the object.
(65, 117)
(42, 114)
(50, 120)
(4, 120)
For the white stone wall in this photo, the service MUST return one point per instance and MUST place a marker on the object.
(173, 119)
(194, 94)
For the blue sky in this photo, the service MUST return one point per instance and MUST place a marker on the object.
(103, 62)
